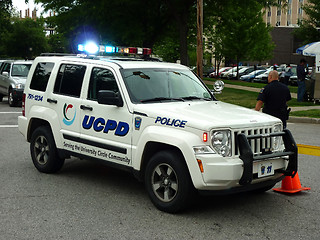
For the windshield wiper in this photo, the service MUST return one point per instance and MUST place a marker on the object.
(196, 98)
(159, 99)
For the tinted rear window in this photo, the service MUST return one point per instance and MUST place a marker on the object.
(69, 80)
(41, 76)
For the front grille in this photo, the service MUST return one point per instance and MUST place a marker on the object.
(258, 146)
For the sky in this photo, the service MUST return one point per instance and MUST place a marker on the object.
(20, 5)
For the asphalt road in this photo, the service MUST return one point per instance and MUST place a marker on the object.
(89, 201)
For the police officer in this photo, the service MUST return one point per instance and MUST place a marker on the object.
(274, 97)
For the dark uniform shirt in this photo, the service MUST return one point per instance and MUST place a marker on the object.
(301, 72)
(275, 96)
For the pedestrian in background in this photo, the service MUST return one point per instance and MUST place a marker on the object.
(288, 73)
(274, 97)
(301, 74)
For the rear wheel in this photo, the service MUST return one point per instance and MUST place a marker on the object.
(1, 97)
(168, 182)
(44, 152)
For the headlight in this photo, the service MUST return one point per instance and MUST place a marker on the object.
(276, 141)
(18, 86)
(221, 142)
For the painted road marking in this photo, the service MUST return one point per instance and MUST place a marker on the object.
(8, 126)
(308, 150)
(11, 112)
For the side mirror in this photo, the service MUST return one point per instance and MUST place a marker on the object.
(6, 74)
(218, 86)
(108, 97)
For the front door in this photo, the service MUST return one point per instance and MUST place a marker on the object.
(105, 129)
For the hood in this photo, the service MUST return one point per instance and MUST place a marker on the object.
(205, 115)
(21, 80)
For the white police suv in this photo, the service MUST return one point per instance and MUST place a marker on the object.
(157, 120)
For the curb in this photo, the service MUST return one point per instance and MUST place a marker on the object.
(304, 120)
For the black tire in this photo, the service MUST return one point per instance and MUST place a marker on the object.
(168, 182)
(11, 100)
(1, 97)
(44, 152)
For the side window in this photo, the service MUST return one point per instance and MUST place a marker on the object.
(6, 68)
(41, 76)
(69, 80)
(101, 79)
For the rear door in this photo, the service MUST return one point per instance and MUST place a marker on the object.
(65, 101)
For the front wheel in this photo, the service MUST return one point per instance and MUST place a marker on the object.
(168, 182)
(44, 152)
(11, 100)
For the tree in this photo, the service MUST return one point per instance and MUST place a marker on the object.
(26, 38)
(309, 27)
(125, 22)
(143, 22)
(240, 32)
(5, 12)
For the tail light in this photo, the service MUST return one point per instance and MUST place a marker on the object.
(24, 105)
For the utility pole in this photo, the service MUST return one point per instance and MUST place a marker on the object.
(200, 38)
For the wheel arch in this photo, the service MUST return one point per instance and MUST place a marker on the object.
(152, 148)
(34, 124)
(155, 138)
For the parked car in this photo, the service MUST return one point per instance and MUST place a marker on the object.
(13, 75)
(233, 75)
(232, 70)
(249, 77)
(207, 71)
(264, 76)
(221, 70)
(243, 71)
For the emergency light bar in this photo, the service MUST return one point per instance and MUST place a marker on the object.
(93, 48)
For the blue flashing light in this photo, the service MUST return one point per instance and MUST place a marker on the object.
(102, 48)
(110, 49)
(80, 47)
(91, 48)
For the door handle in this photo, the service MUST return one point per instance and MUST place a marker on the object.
(84, 107)
(49, 100)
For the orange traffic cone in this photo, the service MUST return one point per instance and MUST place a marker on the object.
(291, 185)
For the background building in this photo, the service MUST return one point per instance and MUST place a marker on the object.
(284, 20)
(286, 15)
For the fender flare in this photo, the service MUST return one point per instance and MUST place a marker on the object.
(177, 138)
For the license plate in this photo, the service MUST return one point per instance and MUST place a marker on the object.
(265, 169)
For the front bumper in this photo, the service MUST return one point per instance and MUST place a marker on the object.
(17, 94)
(241, 173)
(246, 154)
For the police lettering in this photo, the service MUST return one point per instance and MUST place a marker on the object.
(100, 124)
(171, 122)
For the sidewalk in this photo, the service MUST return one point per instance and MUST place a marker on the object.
(293, 95)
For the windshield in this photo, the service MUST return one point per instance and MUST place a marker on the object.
(154, 85)
(20, 70)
